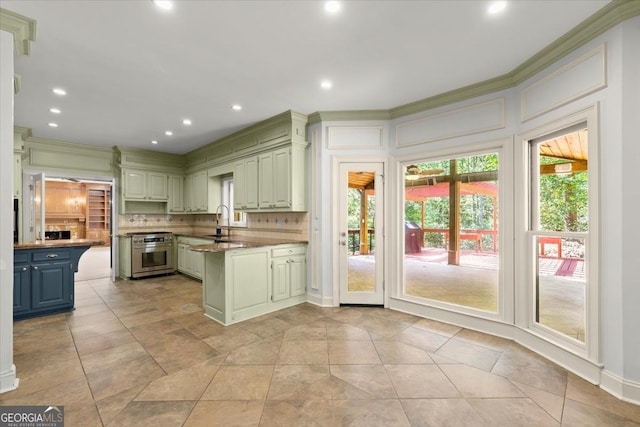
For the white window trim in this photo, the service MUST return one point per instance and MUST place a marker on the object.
(503, 147)
(525, 238)
(227, 200)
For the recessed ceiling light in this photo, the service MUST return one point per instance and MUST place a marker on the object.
(332, 6)
(154, 142)
(496, 7)
(326, 84)
(186, 122)
(55, 110)
(59, 91)
(163, 4)
(168, 132)
(236, 107)
(53, 125)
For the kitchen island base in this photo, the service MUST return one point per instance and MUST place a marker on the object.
(249, 282)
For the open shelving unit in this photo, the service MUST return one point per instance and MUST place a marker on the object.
(99, 212)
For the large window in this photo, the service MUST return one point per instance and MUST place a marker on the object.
(235, 218)
(451, 231)
(559, 226)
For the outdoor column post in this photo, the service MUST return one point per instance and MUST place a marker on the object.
(454, 214)
(364, 221)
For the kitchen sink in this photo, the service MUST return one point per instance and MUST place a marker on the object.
(218, 239)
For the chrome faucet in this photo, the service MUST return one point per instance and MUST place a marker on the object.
(218, 210)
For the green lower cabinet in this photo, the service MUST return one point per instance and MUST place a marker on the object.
(240, 284)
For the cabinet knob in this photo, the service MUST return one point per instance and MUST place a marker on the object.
(35, 267)
(24, 268)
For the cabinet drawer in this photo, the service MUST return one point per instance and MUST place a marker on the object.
(298, 250)
(20, 257)
(52, 255)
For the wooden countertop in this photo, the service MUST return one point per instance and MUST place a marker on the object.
(62, 243)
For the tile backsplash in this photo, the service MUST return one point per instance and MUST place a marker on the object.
(274, 225)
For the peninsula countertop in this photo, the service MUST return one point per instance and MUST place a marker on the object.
(60, 243)
(242, 243)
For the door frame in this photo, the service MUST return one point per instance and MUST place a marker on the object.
(381, 240)
(27, 214)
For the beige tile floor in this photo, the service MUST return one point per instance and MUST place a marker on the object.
(141, 353)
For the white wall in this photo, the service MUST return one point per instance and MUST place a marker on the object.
(7, 368)
(604, 72)
(630, 208)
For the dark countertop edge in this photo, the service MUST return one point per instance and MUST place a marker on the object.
(242, 244)
(49, 244)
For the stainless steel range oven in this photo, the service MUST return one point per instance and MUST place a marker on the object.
(151, 253)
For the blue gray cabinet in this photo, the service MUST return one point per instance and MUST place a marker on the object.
(43, 280)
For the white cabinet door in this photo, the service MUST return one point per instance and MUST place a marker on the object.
(157, 186)
(144, 185)
(135, 184)
(198, 264)
(298, 275)
(282, 178)
(200, 191)
(245, 184)
(266, 171)
(176, 194)
(182, 252)
(280, 279)
(249, 278)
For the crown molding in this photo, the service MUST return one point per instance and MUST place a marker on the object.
(22, 28)
(604, 19)
(348, 115)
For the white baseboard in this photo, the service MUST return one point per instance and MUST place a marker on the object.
(626, 390)
(8, 380)
(320, 301)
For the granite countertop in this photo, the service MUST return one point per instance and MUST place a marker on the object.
(242, 243)
(62, 243)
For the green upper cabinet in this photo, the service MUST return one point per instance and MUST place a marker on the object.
(145, 185)
(275, 179)
(175, 204)
(196, 192)
(245, 184)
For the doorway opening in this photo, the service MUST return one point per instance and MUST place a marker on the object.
(57, 206)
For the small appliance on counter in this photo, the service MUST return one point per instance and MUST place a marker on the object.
(57, 235)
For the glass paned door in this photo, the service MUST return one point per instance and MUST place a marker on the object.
(360, 243)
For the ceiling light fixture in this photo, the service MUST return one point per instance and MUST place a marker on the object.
(154, 142)
(332, 6)
(53, 125)
(496, 7)
(326, 84)
(55, 110)
(236, 107)
(168, 132)
(59, 91)
(163, 4)
(186, 122)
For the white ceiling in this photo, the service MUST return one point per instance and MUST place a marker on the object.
(133, 71)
